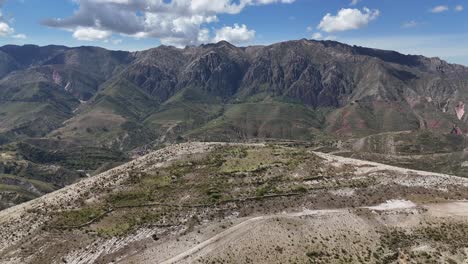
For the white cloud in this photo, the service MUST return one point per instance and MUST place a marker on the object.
(203, 36)
(236, 35)
(317, 35)
(176, 22)
(348, 19)
(320, 36)
(439, 9)
(5, 29)
(19, 36)
(113, 1)
(459, 8)
(91, 34)
(354, 2)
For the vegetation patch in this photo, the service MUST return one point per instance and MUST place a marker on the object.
(77, 218)
(443, 237)
(130, 197)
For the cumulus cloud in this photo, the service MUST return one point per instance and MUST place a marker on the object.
(354, 2)
(6, 30)
(91, 34)
(348, 19)
(173, 22)
(321, 36)
(317, 35)
(439, 9)
(236, 35)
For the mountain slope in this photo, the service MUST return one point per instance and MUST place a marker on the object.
(266, 203)
(116, 105)
(112, 118)
(357, 82)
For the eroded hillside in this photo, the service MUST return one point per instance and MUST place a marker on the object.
(253, 203)
(87, 109)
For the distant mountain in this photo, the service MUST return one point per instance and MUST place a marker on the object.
(327, 86)
(117, 103)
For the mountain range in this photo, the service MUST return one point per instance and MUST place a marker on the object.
(66, 113)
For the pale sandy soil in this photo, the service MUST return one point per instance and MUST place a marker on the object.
(235, 231)
(246, 233)
(22, 220)
(454, 209)
(405, 177)
(392, 205)
(256, 237)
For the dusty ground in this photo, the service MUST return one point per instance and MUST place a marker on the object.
(341, 211)
(20, 221)
(288, 237)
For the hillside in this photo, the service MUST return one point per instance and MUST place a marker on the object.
(87, 109)
(254, 203)
(337, 88)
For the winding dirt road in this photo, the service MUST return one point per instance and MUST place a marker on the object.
(241, 228)
(456, 208)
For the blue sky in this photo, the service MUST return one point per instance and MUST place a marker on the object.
(428, 27)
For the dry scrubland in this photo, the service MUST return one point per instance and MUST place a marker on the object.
(244, 203)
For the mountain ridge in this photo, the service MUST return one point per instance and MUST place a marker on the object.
(114, 105)
(215, 188)
(370, 49)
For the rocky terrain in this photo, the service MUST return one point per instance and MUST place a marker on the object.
(66, 113)
(244, 203)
